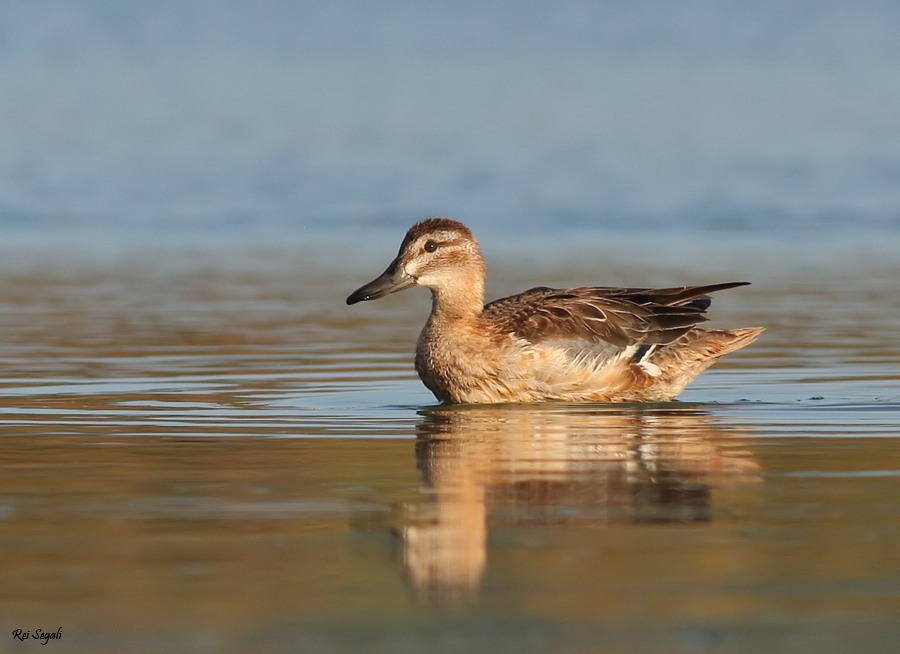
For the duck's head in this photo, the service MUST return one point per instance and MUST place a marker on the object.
(438, 253)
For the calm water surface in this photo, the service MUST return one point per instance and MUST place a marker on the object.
(206, 450)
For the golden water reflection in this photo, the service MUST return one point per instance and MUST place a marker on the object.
(556, 466)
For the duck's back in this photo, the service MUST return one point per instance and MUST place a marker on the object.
(608, 344)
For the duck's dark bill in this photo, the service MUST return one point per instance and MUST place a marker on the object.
(391, 280)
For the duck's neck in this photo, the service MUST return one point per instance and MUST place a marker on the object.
(459, 300)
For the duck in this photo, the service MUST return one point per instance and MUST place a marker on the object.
(587, 344)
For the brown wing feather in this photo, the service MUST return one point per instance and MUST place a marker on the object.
(619, 316)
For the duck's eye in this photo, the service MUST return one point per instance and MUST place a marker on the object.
(430, 246)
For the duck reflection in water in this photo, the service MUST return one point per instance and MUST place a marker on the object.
(560, 465)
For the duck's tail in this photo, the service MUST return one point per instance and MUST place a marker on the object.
(681, 361)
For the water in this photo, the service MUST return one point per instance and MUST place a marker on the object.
(295, 112)
(204, 449)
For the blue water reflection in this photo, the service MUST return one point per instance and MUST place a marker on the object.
(705, 114)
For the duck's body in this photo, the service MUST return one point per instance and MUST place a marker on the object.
(579, 344)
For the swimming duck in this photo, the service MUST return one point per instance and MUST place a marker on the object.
(591, 344)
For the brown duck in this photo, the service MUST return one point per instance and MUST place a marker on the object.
(597, 344)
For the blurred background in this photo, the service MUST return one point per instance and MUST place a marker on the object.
(246, 119)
